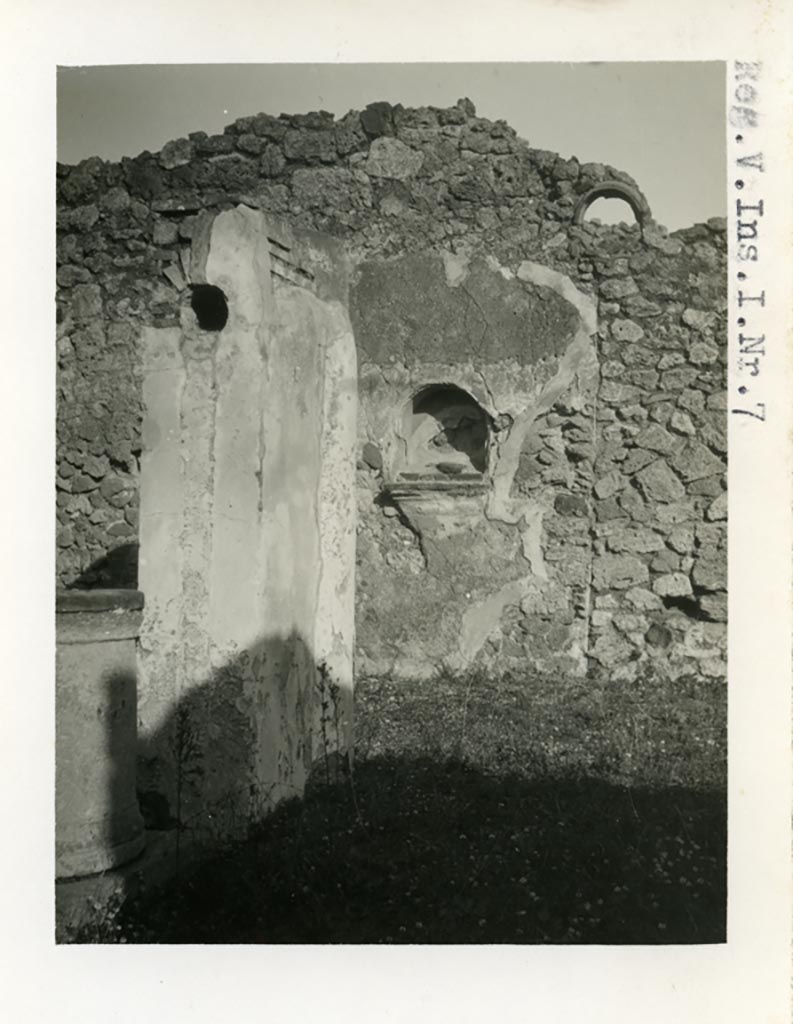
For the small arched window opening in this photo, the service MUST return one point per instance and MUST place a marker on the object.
(610, 211)
(586, 206)
(447, 433)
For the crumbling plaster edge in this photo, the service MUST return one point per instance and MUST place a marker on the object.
(481, 617)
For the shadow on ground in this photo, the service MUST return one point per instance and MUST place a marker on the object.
(416, 849)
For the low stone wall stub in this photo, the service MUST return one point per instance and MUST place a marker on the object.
(98, 825)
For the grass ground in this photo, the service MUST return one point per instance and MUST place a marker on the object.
(485, 811)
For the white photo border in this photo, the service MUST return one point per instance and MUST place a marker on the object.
(747, 979)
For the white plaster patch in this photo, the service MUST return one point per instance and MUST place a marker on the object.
(481, 618)
(161, 510)
(531, 538)
(334, 627)
(455, 266)
(493, 264)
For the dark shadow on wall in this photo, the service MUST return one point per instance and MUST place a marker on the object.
(117, 570)
(120, 707)
(196, 774)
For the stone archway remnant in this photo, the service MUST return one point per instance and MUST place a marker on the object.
(614, 190)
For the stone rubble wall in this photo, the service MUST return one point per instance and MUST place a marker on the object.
(660, 504)
(628, 472)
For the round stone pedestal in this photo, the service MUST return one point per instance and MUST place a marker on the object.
(98, 824)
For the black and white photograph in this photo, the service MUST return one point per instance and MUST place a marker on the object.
(392, 509)
(399, 512)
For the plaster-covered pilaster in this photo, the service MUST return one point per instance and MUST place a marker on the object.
(247, 530)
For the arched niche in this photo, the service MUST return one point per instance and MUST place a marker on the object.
(613, 190)
(446, 433)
